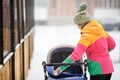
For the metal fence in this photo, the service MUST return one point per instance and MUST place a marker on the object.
(16, 21)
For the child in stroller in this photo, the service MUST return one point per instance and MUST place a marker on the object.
(76, 71)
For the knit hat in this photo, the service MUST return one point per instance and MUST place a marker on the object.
(81, 16)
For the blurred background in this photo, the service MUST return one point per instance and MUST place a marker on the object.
(62, 11)
(54, 26)
(29, 29)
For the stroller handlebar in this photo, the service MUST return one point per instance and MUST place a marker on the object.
(64, 64)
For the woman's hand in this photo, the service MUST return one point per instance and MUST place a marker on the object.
(57, 71)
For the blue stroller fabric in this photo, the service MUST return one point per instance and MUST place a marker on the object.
(63, 75)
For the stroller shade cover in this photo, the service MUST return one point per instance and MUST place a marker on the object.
(57, 55)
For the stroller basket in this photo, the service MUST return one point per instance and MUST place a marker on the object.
(54, 59)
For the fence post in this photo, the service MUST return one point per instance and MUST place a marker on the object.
(1, 32)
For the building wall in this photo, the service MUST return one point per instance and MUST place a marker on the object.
(67, 7)
(107, 9)
(62, 11)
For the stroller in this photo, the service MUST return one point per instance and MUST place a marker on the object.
(76, 71)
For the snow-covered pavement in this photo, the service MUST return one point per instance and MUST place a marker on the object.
(48, 36)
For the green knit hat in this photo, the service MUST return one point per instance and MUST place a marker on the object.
(81, 16)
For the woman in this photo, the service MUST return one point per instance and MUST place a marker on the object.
(96, 42)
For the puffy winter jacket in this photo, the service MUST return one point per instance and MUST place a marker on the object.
(97, 43)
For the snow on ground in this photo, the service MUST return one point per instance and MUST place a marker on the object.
(47, 37)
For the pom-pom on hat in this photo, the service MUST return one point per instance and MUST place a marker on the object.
(81, 16)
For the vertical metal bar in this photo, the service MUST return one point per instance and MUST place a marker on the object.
(1, 31)
(12, 36)
(23, 61)
(22, 12)
(18, 20)
(33, 13)
(44, 69)
(26, 11)
(85, 68)
(12, 25)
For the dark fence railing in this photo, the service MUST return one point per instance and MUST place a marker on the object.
(16, 21)
(6, 27)
(29, 15)
(1, 32)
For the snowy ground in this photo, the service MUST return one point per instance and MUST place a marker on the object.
(47, 37)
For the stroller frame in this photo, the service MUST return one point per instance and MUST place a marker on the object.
(64, 64)
(52, 60)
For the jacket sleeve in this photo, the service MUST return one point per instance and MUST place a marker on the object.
(79, 50)
(111, 43)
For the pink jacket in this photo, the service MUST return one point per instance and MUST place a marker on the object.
(97, 43)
